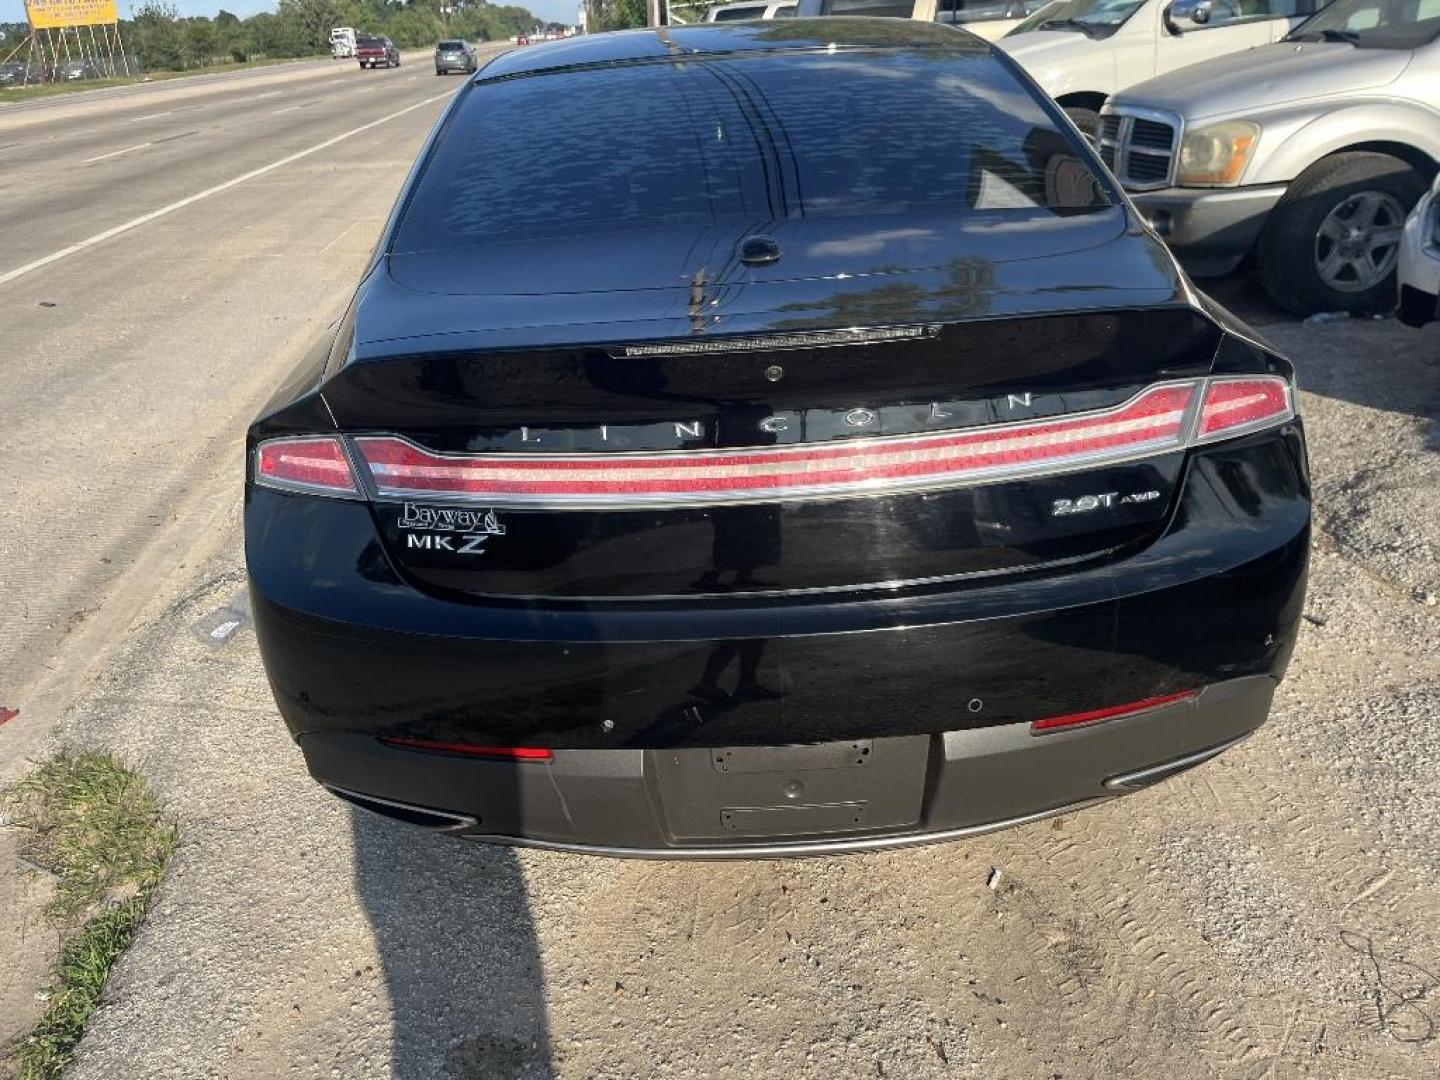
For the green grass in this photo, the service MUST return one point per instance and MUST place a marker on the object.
(99, 829)
(29, 93)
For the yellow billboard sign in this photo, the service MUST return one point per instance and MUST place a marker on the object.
(54, 14)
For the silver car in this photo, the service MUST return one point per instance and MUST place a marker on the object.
(1420, 262)
(1307, 154)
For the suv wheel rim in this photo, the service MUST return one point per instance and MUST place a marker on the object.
(1359, 241)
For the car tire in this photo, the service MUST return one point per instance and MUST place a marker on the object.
(1306, 268)
(1087, 120)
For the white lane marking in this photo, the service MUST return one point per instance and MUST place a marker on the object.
(115, 153)
(151, 116)
(337, 237)
(268, 93)
(180, 204)
(288, 108)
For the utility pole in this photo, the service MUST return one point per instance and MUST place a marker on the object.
(655, 13)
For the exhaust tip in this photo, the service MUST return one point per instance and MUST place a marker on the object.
(420, 816)
(1143, 778)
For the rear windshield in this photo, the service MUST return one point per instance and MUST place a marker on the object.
(456, 45)
(367, 41)
(744, 138)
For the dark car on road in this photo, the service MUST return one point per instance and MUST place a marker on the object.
(454, 55)
(805, 447)
(373, 52)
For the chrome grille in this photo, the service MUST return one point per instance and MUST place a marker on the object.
(1140, 150)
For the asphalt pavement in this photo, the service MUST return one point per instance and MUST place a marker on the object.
(1274, 914)
(163, 263)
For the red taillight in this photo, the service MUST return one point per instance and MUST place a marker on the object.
(1234, 406)
(512, 753)
(1051, 723)
(1167, 417)
(314, 464)
(1149, 423)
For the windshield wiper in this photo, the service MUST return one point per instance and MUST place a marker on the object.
(1067, 24)
(1349, 37)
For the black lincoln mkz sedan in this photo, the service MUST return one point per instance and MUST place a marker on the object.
(803, 448)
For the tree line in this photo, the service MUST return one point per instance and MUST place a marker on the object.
(164, 40)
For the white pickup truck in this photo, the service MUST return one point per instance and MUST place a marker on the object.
(1083, 51)
(989, 19)
(342, 43)
(1304, 156)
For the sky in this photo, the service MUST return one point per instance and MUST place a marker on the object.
(561, 11)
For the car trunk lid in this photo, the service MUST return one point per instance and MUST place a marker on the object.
(823, 393)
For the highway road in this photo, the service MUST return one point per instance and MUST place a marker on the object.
(167, 253)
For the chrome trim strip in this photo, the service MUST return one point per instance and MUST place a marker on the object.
(462, 821)
(801, 339)
(859, 490)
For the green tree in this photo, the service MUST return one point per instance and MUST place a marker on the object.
(616, 14)
(313, 18)
(156, 36)
(201, 43)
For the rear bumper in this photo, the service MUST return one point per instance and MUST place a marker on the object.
(1210, 228)
(680, 804)
(633, 699)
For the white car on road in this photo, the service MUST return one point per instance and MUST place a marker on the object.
(1083, 51)
(1420, 262)
(750, 9)
(989, 19)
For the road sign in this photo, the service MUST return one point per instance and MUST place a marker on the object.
(56, 14)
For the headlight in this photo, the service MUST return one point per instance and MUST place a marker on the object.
(1216, 154)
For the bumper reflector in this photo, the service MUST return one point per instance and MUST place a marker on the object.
(511, 753)
(1092, 716)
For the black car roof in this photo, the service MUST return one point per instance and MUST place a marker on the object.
(716, 39)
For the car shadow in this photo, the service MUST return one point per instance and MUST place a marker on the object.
(458, 953)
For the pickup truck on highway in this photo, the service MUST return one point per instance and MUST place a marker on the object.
(375, 52)
(342, 43)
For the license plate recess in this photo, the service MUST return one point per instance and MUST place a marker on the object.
(857, 786)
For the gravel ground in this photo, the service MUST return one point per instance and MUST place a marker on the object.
(1274, 914)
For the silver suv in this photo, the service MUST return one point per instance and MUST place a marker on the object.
(1307, 153)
